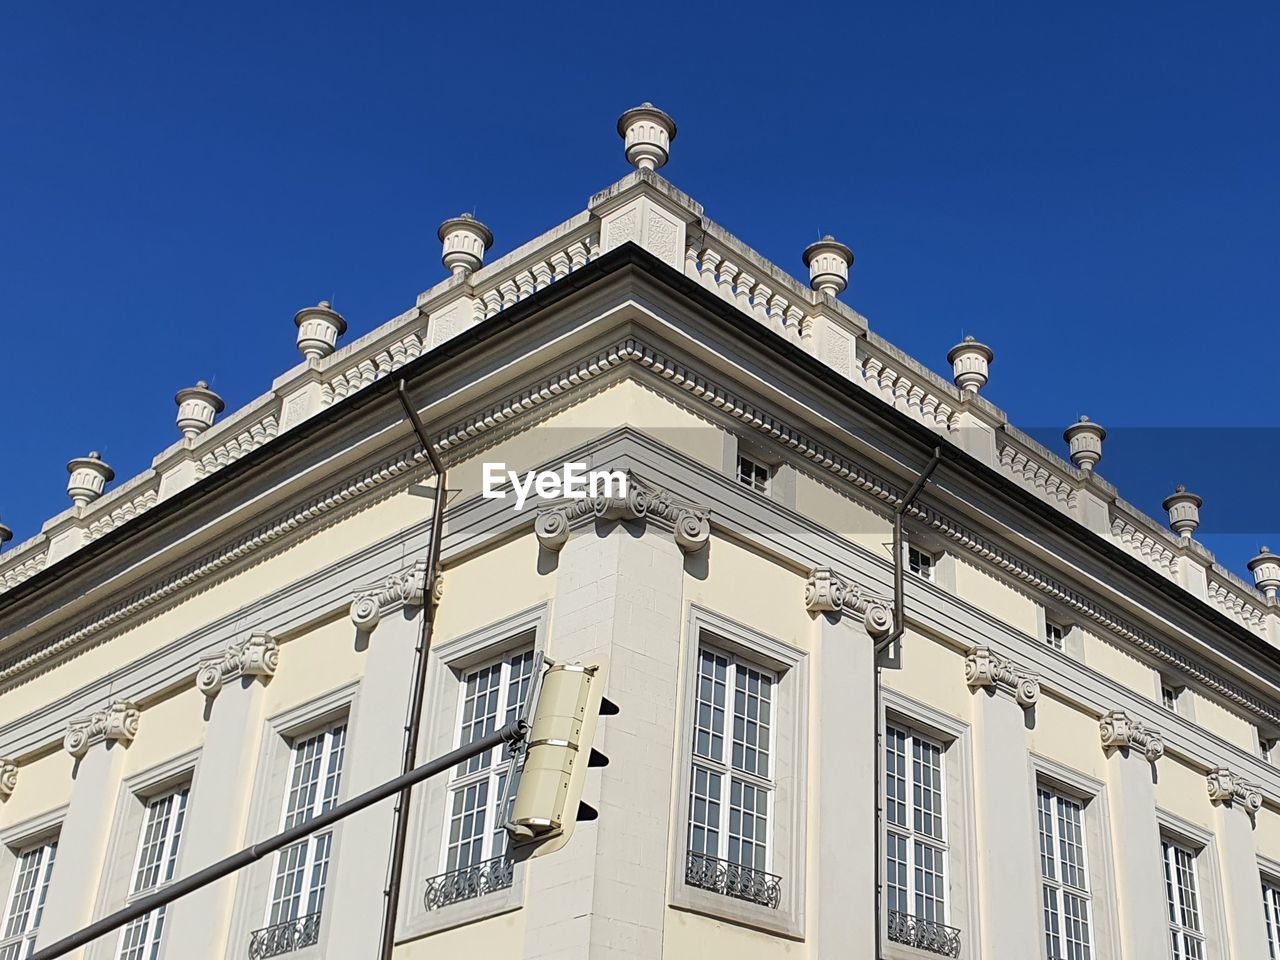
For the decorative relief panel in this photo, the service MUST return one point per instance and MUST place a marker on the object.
(828, 592)
(256, 656)
(1119, 731)
(984, 669)
(118, 722)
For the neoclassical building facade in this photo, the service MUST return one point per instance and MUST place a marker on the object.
(1062, 746)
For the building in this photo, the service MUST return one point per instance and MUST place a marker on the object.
(1079, 705)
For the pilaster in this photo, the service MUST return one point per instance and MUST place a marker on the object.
(1236, 801)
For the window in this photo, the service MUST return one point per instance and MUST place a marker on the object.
(753, 474)
(475, 860)
(26, 899)
(731, 784)
(920, 563)
(916, 842)
(1271, 907)
(1065, 875)
(302, 869)
(1186, 930)
(1054, 635)
(1169, 697)
(1267, 747)
(153, 868)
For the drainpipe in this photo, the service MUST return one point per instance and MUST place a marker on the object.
(899, 627)
(418, 693)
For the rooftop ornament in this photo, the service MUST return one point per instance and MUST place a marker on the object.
(1265, 568)
(319, 328)
(1184, 511)
(465, 240)
(1085, 439)
(647, 133)
(89, 476)
(5, 535)
(197, 406)
(828, 261)
(971, 364)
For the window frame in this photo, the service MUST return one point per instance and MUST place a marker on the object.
(1178, 930)
(17, 844)
(1207, 869)
(1269, 877)
(450, 659)
(908, 833)
(764, 488)
(171, 839)
(787, 822)
(1057, 884)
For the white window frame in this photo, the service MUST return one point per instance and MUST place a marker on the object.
(746, 474)
(150, 928)
(907, 833)
(1055, 888)
(1271, 911)
(1180, 934)
(18, 940)
(921, 562)
(1055, 636)
(788, 760)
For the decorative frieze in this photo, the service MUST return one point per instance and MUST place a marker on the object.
(984, 669)
(1119, 731)
(691, 524)
(827, 592)
(118, 723)
(1228, 787)
(8, 778)
(407, 588)
(258, 655)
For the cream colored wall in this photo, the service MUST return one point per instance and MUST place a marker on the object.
(166, 729)
(257, 580)
(749, 587)
(324, 657)
(496, 937)
(491, 585)
(44, 784)
(991, 594)
(1068, 736)
(1182, 792)
(844, 515)
(1266, 834)
(691, 936)
(1227, 724)
(1110, 661)
(931, 673)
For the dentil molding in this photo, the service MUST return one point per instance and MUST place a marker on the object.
(690, 523)
(1118, 730)
(1228, 787)
(406, 588)
(983, 669)
(8, 778)
(258, 655)
(118, 723)
(827, 592)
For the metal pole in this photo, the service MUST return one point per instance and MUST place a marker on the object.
(899, 627)
(391, 903)
(512, 733)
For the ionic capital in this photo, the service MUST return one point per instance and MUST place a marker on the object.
(258, 655)
(406, 588)
(982, 668)
(1231, 788)
(8, 778)
(827, 592)
(118, 722)
(1119, 731)
(690, 523)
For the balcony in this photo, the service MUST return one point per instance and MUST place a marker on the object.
(281, 938)
(467, 883)
(923, 934)
(733, 880)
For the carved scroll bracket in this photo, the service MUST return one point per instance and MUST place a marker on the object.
(1119, 731)
(1231, 788)
(117, 723)
(256, 656)
(828, 592)
(984, 669)
(407, 588)
(691, 524)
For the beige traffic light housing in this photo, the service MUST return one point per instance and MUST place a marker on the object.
(549, 794)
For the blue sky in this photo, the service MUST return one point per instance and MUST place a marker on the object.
(1090, 190)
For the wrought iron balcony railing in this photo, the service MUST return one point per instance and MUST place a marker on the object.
(281, 938)
(923, 934)
(733, 880)
(468, 883)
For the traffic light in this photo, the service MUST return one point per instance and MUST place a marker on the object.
(548, 797)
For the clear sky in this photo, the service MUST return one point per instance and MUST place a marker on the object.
(1091, 189)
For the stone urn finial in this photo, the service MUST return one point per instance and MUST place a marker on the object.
(89, 476)
(971, 364)
(5, 535)
(647, 133)
(1265, 568)
(1184, 511)
(197, 406)
(319, 328)
(465, 241)
(828, 261)
(1085, 439)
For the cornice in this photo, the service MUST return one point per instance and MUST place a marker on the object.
(404, 588)
(827, 592)
(690, 524)
(1120, 732)
(984, 669)
(1226, 787)
(118, 723)
(258, 655)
